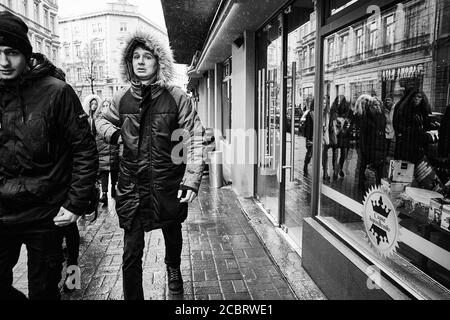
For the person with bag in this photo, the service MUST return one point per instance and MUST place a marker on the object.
(373, 138)
(158, 175)
(48, 163)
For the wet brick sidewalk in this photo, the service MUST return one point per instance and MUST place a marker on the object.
(222, 257)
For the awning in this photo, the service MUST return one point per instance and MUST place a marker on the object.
(187, 23)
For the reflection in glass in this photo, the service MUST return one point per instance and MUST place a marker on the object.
(385, 122)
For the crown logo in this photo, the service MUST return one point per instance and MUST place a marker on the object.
(380, 208)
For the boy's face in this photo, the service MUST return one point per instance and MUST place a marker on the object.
(144, 63)
(12, 63)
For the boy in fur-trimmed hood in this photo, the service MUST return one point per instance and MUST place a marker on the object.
(155, 185)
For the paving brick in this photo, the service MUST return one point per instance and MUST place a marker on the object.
(222, 257)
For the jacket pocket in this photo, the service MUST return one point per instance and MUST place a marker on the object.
(168, 206)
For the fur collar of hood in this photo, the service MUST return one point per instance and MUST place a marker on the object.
(161, 50)
(87, 102)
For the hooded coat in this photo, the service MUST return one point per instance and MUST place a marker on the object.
(103, 148)
(151, 167)
(48, 157)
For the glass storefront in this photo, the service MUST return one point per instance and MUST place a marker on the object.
(384, 118)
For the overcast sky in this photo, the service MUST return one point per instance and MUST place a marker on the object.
(151, 9)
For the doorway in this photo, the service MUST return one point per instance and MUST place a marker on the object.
(285, 71)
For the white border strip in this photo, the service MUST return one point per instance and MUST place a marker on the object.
(424, 247)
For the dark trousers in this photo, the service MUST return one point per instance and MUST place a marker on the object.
(114, 178)
(72, 236)
(104, 180)
(133, 252)
(308, 156)
(44, 263)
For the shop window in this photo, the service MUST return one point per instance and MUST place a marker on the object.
(388, 146)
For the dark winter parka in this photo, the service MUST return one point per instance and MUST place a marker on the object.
(48, 157)
(373, 134)
(340, 123)
(411, 123)
(149, 179)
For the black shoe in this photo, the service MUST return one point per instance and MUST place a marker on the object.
(113, 192)
(305, 172)
(341, 174)
(326, 178)
(174, 280)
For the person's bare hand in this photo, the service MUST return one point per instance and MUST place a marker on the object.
(65, 218)
(190, 196)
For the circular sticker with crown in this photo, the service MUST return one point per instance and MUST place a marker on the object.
(381, 221)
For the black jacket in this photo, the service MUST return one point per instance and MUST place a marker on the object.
(48, 156)
(149, 178)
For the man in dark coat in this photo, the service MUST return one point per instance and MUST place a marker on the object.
(156, 180)
(48, 163)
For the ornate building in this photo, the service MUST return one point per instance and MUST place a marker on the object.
(41, 16)
(92, 44)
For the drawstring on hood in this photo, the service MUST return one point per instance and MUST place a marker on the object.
(164, 57)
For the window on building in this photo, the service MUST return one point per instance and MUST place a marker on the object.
(79, 74)
(100, 48)
(54, 55)
(99, 27)
(36, 11)
(389, 33)
(330, 58)
(25, 7)
(95, 72)
(359, 43)
(66, 51)
(94, 27)
(78, 50)
(101, 72)
(123, 27)
(46, 18)
(48, 52)
(312, 57)
(416, 25)
(39, 45)
(344, 47)
(373, 31)
(52, 24)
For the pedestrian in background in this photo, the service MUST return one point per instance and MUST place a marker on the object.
(92, 105)
(339, 134)
(48, 163)
(309, 133)
(153, 190)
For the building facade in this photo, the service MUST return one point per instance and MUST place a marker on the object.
(92, 46)
(255, 78)
(41, 16)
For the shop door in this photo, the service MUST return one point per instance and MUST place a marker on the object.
(300, 73)
(270, 117)
(284, 81)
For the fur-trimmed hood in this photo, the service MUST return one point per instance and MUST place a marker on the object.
(87, 102)
(159, 47)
